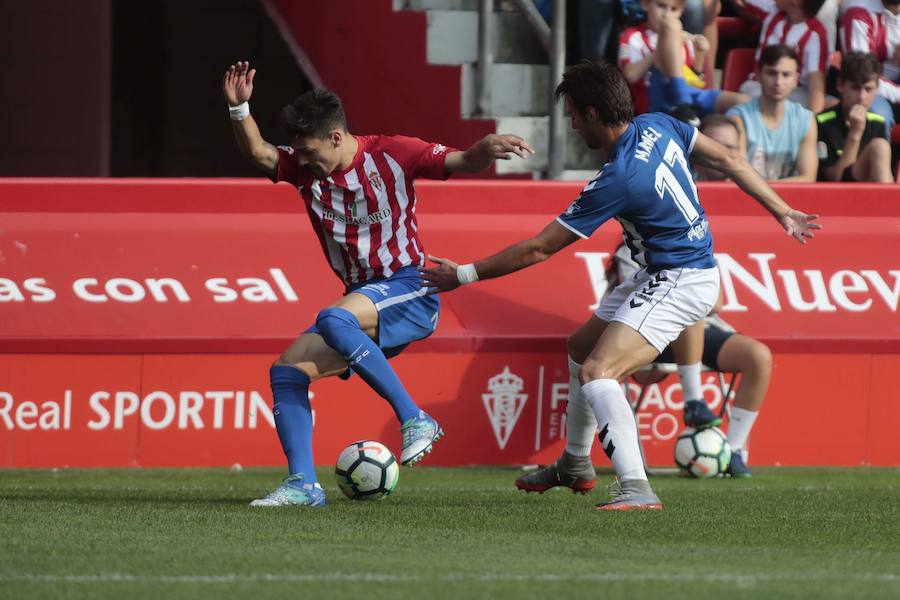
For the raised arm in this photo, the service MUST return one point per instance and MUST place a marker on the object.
(485, 151)
(447, 275)
(714, 155)
(237, 86)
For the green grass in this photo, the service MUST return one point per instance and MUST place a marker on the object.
(447, 533)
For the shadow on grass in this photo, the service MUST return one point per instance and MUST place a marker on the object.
(114, 497)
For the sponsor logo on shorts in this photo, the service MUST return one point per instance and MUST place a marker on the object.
(381, 288)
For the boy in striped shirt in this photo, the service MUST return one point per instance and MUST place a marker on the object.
(664, 66)
(793, 23)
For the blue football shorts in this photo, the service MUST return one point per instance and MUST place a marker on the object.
(405, 313)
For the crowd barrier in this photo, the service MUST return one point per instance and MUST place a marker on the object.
(138, 319)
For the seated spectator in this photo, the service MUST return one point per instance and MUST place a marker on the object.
(597, 19)
(873, 26)
(723, 130)
(664, 65)
(793, 23)
(725, 350)
(778, 136)
(853, 144)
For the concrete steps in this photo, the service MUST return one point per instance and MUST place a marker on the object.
(520, 78)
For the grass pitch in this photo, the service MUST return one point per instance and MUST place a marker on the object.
(447, 533)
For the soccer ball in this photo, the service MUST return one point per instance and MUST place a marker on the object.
(703, 453)
(366, 470)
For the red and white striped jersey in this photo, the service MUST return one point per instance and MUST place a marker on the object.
(637, 43)
(867, 27)
(365, 215)
(808, 38)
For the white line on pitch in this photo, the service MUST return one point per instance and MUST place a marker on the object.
(735, 578)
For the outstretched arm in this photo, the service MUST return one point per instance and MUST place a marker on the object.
(485, 151)
(237, 85)
(447, 275)
(712, 154)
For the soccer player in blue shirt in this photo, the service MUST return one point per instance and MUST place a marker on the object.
(647, 186)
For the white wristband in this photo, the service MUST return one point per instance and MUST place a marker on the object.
(239, 112)
(466, 274)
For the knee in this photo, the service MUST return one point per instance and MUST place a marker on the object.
(596, 369)
(759, 359)
(283, 375)
(329, 321)
(670, 27)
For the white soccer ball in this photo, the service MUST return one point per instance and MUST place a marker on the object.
(366, 470)
(703, 453)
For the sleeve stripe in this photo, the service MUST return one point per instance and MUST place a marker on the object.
(570, 228)
(693, 140)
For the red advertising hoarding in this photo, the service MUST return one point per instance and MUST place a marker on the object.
(139, 319)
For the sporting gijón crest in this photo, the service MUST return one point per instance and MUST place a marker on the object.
(375, 180)
(647, 293)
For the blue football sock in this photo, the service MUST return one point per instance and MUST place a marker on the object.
(293, 419)
(341, 331)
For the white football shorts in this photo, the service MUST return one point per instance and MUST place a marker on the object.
(661, 305)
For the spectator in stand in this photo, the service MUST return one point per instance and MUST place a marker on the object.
(778, 136)
(723, 130)
(720, 348)
(873, 26)
(599, 18)
(664, 65)
(853, 144)
(793, 23)
(828, 17)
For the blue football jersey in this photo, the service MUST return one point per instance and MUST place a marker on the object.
(647, 186)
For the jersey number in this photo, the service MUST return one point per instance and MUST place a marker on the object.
(667, 182)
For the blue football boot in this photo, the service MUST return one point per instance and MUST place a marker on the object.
(737, 467)
(293, 492)
(698, 415)
(419, 435)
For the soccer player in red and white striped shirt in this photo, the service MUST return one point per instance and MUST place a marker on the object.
(793, 23)
(359, 194)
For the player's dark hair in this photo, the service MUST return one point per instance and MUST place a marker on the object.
(811, 7)
(715, 120)
(772, 54)
(859, 67)
(599, 85)
(314, 114)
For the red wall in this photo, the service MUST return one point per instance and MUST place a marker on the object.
(190, 371)
(375, 60)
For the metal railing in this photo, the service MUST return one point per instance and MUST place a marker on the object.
(553, 38)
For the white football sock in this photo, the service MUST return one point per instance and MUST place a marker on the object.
(618, 430)
(739, 426)
(581, 424)
(690, 381)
